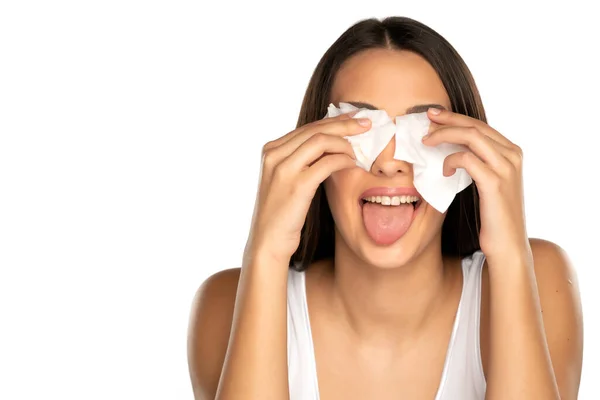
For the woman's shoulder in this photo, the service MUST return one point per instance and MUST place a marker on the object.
(215, 299)
(210, 320)
(552, 267)
(218, 290)
(558, 290)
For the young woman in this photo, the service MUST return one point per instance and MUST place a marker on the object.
(460, 305)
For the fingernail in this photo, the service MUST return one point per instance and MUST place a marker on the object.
(364, 121)
(434, 111)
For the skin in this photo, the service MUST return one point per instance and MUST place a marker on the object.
(381, 323)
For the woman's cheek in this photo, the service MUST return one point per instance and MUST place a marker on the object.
(346, 183)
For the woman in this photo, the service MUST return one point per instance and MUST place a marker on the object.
(452, 308)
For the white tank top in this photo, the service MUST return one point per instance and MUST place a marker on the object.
(462, 377)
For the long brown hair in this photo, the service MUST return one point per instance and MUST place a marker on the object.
(460, 230)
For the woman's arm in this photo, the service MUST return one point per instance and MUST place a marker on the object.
(237, 343)
(208, 331)
(293, 167)
(536, 329)
(533, 355)
(256, 361)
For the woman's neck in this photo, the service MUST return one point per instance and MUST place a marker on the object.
(383, 305)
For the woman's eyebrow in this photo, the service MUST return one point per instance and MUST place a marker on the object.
(411, 110)
(423, 108)
(360, 104)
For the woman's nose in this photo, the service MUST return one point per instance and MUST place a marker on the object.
(386, 165)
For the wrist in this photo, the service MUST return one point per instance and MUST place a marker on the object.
(265, 257)
(269, 247)
(510, 266)
(514, 252)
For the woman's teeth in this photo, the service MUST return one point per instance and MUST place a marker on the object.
(391, 201)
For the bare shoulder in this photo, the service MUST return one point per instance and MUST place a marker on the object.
(208, 331)
(552, 265)
(558, 289)
(560, 301)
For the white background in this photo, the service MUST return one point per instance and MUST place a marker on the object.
(129, 152)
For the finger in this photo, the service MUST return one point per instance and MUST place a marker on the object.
(314, 148)
(303, 128)
(435, 127)
(322, 169)
(446, 117)
(339, 129)
(344, 127)
(511, 151)
(488, 150)
(342, 116)
(474, 166)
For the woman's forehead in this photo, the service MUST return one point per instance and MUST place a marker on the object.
(389, 80)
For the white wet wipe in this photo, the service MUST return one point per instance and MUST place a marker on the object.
(429, 180)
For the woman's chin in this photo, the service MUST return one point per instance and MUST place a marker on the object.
(391, 256)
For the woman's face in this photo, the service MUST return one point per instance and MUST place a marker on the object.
(385, 236)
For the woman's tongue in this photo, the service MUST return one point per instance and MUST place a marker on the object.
(386, 224)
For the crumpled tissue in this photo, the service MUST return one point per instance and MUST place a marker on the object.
(435, 188)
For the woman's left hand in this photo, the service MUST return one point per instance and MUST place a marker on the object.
(495, 164)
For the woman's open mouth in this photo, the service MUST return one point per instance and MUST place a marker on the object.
(415, 201)
(387, 218)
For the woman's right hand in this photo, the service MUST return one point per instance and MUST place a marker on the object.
(293, 166)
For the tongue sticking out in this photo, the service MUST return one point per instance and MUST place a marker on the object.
(386, 224)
